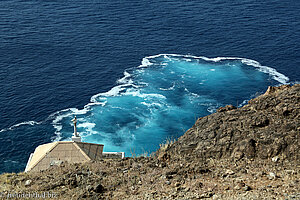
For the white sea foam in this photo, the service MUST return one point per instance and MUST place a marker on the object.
(212, 109)
(57, 132)
(11, 161)
(170, 88)
(31, 123)
(271, 71)
(56, 118)
(124, 79)
(59, 116)
(243, 103)
(145, 62)
(151, 104)
(115, 91)
(126, 86)
(26, 123)
(165, 89)
(66, 113)
(275, 75)
(117, 107)
(143, 95)
(88, 106)
(146, 104)
(88, 125)
(194, 94)
(76, 111)
(112, 92)
(142, 84)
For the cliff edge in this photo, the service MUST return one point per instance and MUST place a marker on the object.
(236, 153)
(268, 126)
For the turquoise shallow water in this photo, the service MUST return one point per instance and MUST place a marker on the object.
(162, 98)
(61, 58)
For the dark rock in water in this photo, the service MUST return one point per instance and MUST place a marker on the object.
(268, 126)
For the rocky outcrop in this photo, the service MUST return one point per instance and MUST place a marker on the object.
(237, 153)
(268, 126)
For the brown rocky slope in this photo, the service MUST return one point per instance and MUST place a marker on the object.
(268, 126)
(246, 153)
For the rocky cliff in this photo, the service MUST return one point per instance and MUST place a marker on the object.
(268, 126)
(236, 153)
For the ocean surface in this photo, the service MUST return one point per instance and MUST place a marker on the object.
(135, 73)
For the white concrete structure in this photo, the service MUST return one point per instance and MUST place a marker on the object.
(113, 155)
(54, 153)
(74, 151)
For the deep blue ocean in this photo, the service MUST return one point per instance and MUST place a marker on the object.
(135, 73)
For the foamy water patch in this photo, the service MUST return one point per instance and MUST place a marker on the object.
(125, 79)
(271, 71)
(145, 62)
(160, 98)
(171, 95)
(30, 123)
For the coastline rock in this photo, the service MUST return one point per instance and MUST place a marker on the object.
(226, 108)
(267, 127)
(245, 153)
